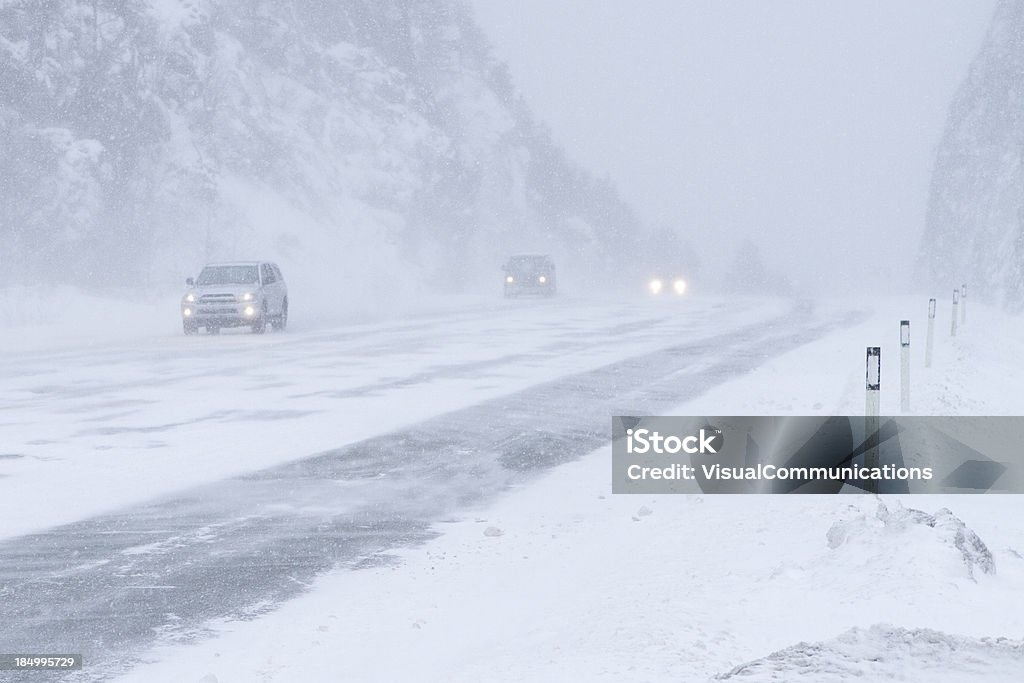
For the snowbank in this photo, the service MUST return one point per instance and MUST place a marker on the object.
(889, 533)
(37, 318)
(888, 653)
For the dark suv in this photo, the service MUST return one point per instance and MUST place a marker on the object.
(529, 274)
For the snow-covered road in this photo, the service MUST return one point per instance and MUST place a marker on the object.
(149, 487)
(108, 425)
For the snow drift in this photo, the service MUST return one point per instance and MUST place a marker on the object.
(883, 534)
(888, 653)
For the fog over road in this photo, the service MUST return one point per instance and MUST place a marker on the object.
(546, 380)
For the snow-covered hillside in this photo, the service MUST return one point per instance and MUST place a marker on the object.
(378, 144)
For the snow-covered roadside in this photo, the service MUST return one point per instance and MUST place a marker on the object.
(38, 318)
(977, 372)
(563, 581)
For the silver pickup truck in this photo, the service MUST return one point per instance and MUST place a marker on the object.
(243, 294)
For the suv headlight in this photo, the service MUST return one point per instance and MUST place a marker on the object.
(248, 296)
(190, 297)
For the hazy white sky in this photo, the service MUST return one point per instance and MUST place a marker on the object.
(807, 125)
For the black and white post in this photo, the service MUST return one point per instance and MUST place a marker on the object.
(956, 312)
(873, 384)
(905, 366)
(963, 304)
(930, 341)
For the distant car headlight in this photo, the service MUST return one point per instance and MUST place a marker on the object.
(187, 312)
(656, 286)
(509, 279)
(679, 285)
(249, 311)
(247, 296)
(542, 279)
(190, 298)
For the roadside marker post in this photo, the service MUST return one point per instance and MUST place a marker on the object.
(873, 385)
(930, 341)
(956, 306)
(905, 366)
(963, 304)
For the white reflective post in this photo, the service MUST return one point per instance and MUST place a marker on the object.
(956, 304)
(873, 385)
(930, 341)
(905, 366)
(963, 304)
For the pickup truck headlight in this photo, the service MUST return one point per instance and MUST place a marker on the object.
(190, 298)
(248, 296)
(656, 286)
(509, 279)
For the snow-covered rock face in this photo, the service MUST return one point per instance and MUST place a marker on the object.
(905, 536)
(887, 653)
(139, 139)
(975, 222)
